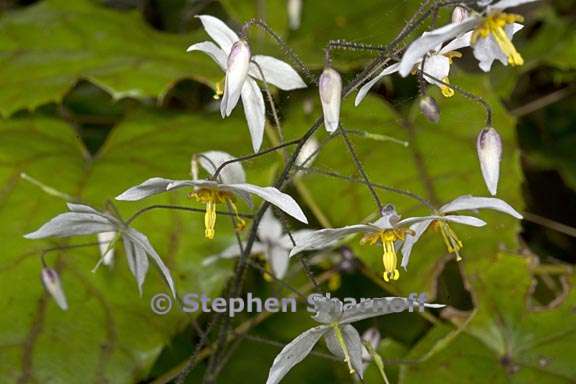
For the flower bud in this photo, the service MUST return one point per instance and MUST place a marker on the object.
(430, 109)
(308, 153)
(106, 247)
(330, 96)
(489, 147)
(51, 282)
(371, 336)
(294, 13)
(237, 66)
(459, 14)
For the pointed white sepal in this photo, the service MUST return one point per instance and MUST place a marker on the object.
(330, 95)
(237, 67)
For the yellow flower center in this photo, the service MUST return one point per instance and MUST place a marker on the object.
(389, 259)
(446, 90)
(453, 243)
(211, 197)
(494, 25)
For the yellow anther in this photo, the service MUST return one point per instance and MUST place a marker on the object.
(494, 25)
(219, 91)
(212, 197)
(389, 257)
(453, 243)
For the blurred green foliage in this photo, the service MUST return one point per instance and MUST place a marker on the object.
(98, 96)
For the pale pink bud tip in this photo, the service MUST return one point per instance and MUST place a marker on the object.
(330, 95)
(51, 282)
(489, 147)
(237, 66)
(430, 109)
(459, 14)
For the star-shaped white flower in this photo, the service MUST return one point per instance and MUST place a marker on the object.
(437, 65)
(229, 184)
(85, 220)
(462, 203)
(389, 231)
(242, 69)
(341, 338)
(491, 34)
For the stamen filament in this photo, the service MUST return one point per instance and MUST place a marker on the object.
(342, 342)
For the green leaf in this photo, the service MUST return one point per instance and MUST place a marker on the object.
(507, 339)
(109, 333)
(48, 47)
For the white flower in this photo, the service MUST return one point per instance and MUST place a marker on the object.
(273, 244)
(462, 203)
(294, 13)
(230, 183)
(489, 149)
(330, 87)
(341, 338)
(491, 34)
(51, 281)
(389, 231)
(437, 65)
(242, 69)
(85, 220)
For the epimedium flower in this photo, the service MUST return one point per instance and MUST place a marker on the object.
(330, 87)
(230, 183)
(437, 61)
(85, 220)
(490, 34)
(451, 240)
(340, 336)
(388, 230)
(242, 70)
(273, 244)
(489, 149)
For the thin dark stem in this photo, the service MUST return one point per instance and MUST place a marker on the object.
(181, 208)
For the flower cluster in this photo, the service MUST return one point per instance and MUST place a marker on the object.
(488, 32)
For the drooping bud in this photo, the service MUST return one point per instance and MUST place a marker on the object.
(330, 95)
(459, 14)
(294, 13)
(105, 240)
(430, 109)
(237, 66)
(371, 336)
(51, 282)
(308, 153)
(489, 147)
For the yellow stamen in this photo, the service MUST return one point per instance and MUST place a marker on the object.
(212, 197)
(453, 55)
(494, 24)
(389, 258)
(219, 90)
(453, 243)
(334, 282)
(446, 90)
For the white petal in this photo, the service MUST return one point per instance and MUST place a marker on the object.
(363, 91)
(150, 187)
(330, 87)
(81, 208)
(373, 308)
(237, 66)
(459, 14)
(353, 345)
(467, 220)
(232, 252)
(137, 261)
(270, 228)
(430, 40)
(278, 259)
(298, 237)
(139, 239)
(51, 281)
(489, 148)
(486, 50)
(294, 13)
(294, 352)
(325, 237)
(255, 112)
(437, 66)
(418, 229)
(176, 184)
(73, 224)
(276, 72)
(468, 202)
(308, 153)
(106, 249)
(212, 50)
(231, 173)
(458, 43)
(503, 4)
(219, 32)
(272, 195)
